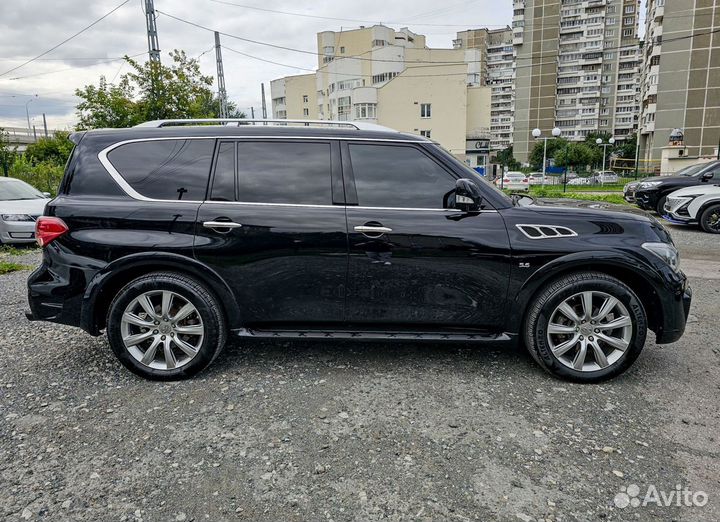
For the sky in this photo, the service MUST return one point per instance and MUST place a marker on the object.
(31, 27)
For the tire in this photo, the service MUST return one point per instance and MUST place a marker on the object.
(546, 346)
(709, 220)
(194, 340)
(660, 207)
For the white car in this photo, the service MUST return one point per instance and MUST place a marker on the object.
(513, 180)
(698, 204)
(20, 205)
(580, 181)
(606, 176)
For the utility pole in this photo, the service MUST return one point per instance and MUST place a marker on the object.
(264, 107)
(152, 35)
(45, 125)
(252, 113)
(222, 94)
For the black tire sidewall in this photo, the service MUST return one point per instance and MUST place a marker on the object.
(660, 207)
(207, 307)
(705, 215)
(634, 307)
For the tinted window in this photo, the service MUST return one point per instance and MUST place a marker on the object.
(223, 188)
(284, 172)
(166, 169)
(398, 176)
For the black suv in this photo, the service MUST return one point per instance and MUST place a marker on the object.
(651, 193)
(172, 237)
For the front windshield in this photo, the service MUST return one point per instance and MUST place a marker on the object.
(473, 174)
(692, 170)
(16, 189)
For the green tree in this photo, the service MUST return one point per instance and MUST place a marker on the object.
(53, 151)
(150, 91)
(8, 153)
(575, 155)
(506, 159)
(536, 155)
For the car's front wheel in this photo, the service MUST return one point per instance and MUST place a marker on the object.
(710, 219)
(165, 326)
(586, 327)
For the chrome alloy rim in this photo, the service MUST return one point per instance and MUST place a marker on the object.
(714, 221)
(589, 331)
(162, 330)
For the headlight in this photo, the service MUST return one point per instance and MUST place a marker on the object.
(649, 184)
(16, 217)
(666, 252)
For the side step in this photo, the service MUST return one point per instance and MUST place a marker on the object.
(371, 335)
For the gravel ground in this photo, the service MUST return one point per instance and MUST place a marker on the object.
(355, 431)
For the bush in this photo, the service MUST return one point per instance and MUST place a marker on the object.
(45, 176)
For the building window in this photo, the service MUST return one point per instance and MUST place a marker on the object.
(425, 110)
(305, 98)
(342, 50)
(425, 133)
(365, 111)
(306, 112)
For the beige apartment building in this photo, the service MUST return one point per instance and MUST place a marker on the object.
(681, 77)
(577, 68)
(497, 71)
(380, 75)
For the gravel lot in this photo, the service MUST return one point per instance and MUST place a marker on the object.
(355, 431)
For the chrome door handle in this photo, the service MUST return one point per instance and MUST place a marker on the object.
(364, 229)
(221, 224)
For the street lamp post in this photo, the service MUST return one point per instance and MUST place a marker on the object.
(610, 142)
(537, 133)
(27, 113)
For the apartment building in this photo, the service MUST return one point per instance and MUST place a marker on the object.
(681, 76)
(577, 68)
(497, 72)
(380, 75)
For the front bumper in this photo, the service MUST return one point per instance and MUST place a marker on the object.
(676, 310)
(17, 232)
(646, 199)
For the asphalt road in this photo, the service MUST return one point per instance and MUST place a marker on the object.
(357, 431)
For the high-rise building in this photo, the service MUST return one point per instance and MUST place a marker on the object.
(497, 72)
(681, 77)
(577, 67)
(380, 75)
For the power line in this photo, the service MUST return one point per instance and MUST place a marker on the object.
(336, 19)
(66, 40)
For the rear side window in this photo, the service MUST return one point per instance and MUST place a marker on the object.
(398, 177)
(166, 169)
(284, 172)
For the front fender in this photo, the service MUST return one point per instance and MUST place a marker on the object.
(107, 281)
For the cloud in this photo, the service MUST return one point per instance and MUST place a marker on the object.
(30, 27)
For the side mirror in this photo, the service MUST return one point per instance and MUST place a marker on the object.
(468, 197)
(46, 194)
(708, 176)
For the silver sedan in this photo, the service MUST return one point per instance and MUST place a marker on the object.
(20, 206)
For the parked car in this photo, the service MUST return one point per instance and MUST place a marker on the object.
(580, 181)
(695, 205)
(173, 237)
(20, 205)
(514, 180)
(605, 177)
(651, 193)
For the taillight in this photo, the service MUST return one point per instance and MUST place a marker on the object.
(48, 229)
(525, 180)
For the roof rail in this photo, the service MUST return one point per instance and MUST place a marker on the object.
(357, 125)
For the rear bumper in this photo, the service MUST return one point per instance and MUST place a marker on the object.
(675, 313)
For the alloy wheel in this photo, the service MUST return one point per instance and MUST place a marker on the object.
(162, 330)
(589, 331)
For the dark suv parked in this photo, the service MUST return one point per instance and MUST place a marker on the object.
(172, 237)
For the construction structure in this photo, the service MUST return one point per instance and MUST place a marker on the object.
(577, 67)
(680, 78)
(380, 75)
(222, 93)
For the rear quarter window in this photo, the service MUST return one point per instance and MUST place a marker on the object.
(173, 169)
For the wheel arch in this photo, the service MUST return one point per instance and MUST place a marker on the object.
(641, 279)
(106, 283)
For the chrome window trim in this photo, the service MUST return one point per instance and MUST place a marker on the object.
(125, 186)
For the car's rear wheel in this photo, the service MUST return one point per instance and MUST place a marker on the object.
(710, 219)
(586, 327)
(166, 326)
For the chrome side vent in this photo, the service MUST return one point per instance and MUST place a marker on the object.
(546, 231)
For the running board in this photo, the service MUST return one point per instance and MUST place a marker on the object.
(370, 335)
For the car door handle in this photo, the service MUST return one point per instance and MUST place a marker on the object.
(365, 229)
(221, 224)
